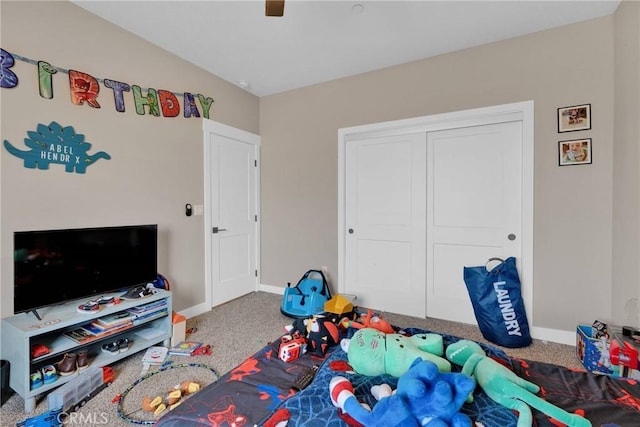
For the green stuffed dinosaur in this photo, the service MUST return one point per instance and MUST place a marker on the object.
(371, 352)
(505, 387)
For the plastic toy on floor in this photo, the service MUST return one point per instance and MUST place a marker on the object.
(424, 397)
(339, 307)
(173, 398)
(320, 332)
(371, 352)
(505, 387)
(369, 320)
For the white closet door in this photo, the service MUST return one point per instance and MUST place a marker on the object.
(474, 209)
(385, 223)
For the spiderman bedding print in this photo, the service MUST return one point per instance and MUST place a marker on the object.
(259, 392)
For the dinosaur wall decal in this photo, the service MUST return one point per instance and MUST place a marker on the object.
(58, 145)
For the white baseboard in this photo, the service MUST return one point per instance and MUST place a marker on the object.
(202, 308)
(195, 310)
(553, 335)
(271, 289)
(543, 334)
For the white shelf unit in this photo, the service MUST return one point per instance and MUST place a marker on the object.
(21, 331)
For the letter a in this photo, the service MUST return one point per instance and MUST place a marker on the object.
(190, 108)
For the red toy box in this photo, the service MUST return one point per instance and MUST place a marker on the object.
(609, 354)
(292, 347)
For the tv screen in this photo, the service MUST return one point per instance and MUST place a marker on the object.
(54, 266)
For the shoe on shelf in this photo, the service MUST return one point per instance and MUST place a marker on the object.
(81, 361)
(67, 366)
(36, 380)
(123, 345)
(89, 307)
(49, 374)
(111, 348)
(108, 301)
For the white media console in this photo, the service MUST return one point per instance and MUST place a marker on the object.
(22, 331)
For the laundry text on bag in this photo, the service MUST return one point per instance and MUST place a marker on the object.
(506, 308)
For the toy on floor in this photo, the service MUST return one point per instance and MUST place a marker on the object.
(505, 387)
(424, 397)
(434, 395)
(150, 404)
(157, 405)
(339, 307)
(51, 418)
(369, 320)
(371, 352)
(320, 332)
(292, 347)
(391, 411)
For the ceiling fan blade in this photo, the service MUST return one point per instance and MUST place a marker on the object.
(274, 7)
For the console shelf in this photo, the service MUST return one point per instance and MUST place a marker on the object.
(22, 331)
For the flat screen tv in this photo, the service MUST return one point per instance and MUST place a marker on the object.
(55, 266)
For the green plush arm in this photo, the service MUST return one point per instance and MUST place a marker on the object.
(505, 387)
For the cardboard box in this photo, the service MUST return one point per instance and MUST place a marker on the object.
(606, 355)
(179, 323)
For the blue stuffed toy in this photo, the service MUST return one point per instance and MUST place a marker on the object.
(424, 397)
(390, 411)
(435, 398)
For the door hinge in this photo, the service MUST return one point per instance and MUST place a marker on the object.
(255, 218)
(255, 163)
(256, 273)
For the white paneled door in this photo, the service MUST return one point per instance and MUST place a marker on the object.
(420, 199)
(385, 221)
(232, 220)
(474, 207)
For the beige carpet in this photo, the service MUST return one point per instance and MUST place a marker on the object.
(235, 331)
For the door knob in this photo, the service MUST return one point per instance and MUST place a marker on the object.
(511, 236)
(216, 230)
(351, 231)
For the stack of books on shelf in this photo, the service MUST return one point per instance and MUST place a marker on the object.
(116, 322)
(101, 327)
(144, 313)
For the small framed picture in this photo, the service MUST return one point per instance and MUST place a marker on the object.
(576, 117)
(574, 152)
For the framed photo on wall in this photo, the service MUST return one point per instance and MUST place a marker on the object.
(574, 152)
(575, 117)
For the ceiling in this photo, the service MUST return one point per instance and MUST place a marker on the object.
(322, 40)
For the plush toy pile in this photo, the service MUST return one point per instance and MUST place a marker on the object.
(424, 397)
(319, 331)
(428, 393)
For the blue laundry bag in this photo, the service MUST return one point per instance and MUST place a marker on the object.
(497, 303)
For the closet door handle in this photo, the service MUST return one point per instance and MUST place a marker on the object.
(215, 230)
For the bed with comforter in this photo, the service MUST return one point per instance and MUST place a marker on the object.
(259, 392)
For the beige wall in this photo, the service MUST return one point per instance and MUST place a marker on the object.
(156, 163)
(573, 205)
(626, 166)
